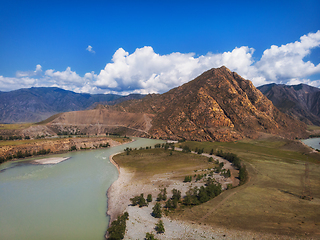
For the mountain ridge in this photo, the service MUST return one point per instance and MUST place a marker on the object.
(299, 101)
(218, 105)
(36, 104)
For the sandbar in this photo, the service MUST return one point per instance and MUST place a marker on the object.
(54, 160)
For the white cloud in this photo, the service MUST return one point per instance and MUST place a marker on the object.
(37, 72)
(64, 77)
(89, 48)
(145, 71)
(281, 64)
(8, 84)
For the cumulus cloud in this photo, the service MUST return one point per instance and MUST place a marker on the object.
(8, 84)
(89, 48)
(145, 71)
(286, 63)
(36, 72)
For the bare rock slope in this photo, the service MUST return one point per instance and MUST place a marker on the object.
(100, 121)
(219, 105)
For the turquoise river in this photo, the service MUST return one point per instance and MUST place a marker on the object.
(63, 201)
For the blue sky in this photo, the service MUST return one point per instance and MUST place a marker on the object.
(153, 46)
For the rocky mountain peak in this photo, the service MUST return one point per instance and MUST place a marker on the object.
(218, 105)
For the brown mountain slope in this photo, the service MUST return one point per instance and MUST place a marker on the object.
(100, 121)
(299, 101)
(218, 105)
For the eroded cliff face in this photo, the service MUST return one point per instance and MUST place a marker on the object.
(219, 105)
(55, 145)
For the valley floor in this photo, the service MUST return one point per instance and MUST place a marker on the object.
(228, 215)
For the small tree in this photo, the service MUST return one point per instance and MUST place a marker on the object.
(162, 195)
(176, 194)
(211, 152)
(150, 236)
(160, 227)
(135, 200)
(187, 179)
(149, 198)
(156, 211)
(169, 204)
(186, 149)
(142, 201)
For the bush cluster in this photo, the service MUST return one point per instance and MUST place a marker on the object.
(162, 195)
(118, 227)
(236, 161)
(187, 179)
(104, 145)
(11, 138)
(139, 200)
(25, 154)
(166, 146)
(196, 196)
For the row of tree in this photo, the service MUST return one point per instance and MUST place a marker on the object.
(14, 137)
(236, 161)
(118, 227)
(166, 146)
(231, 157)
(20, 154)
(196, 196)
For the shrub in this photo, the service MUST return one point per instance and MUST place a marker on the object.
(162, 195)
(138, 200)
(156, 211)
(73, 148)
(195, 196)
(150, 236)
(187, 179)
(160, 227)
(186, 149)
(176, 194)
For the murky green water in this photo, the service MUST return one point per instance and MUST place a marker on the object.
(63, 201)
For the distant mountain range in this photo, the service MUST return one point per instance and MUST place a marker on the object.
(299, 101)
(37, 104)
(219, 105)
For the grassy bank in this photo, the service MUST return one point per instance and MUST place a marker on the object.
(271, 200)
(147, 163)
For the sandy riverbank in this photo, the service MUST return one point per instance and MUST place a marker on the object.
(54, 160)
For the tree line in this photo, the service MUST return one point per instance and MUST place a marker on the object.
(20, 154)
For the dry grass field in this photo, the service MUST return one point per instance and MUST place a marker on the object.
(270, 202)
(147, 163)
(17, 126)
